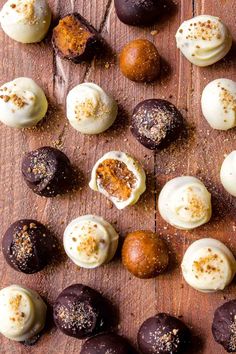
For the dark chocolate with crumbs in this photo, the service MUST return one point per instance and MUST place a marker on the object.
(156, 123)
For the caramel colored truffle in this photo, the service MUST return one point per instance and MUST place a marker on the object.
(74, 38)
(144, 254)
(140, 61)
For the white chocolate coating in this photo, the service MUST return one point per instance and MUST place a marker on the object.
(90, 110)
(219, 104)
(184, 202)
(22, 103)
(26, 21)
(133, 166)
(90, 241)
(203, 40)
(208, 265)
(228, 173)
(22, 312)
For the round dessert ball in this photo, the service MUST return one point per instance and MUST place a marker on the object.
(47, 171)
(221, 113)
(90, 110)
(144, 254)
(163, 334)
(22, 103)
(80, 311)
(203, 40)
(107, 343)
(228, 173)
(74, 38)
(26, 21)
(156, 123)
(224, 326)
(139, 12)
(23, 313)
(140, 61)
(27, 246)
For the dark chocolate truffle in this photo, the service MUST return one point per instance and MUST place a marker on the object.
(27, 246)
(47, 171)
(156, 123)
(75, 39)
(80, 311)
(139, 12)
(107, 343)
(224, 326)
(163, 334)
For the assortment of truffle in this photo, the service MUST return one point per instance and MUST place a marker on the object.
(203, 40)
(90, 110)
(90, 241)
(119, 177)
(208, 265)
(47, 171)
(184, 202)
(22, 103)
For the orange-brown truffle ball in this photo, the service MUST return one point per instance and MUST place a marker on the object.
(144, 254)
(140, 61)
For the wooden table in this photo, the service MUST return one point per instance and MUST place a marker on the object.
(199, 153)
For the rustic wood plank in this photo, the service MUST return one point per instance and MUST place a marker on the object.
(135, 299)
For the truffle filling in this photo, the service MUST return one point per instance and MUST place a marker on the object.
(71, 36)
(116, 179)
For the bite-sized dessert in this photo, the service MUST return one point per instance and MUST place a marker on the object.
(47, 171)
(145, 254)
(90, 241)
(23, 313)
(140, 61)
(184, 202)
(219, 104)
(156, 123)
(139, 13)
(163, 334)
(90, 109)
(228, 173)
(224, 326)
(119, 177)
(208, 265)
(22, 103)
(203, 40)
(80, 311)
(107, 343)
(26, 21)
(74, 38)
(28, 246)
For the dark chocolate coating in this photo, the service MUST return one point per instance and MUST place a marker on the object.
(47, 171)
(77, 29)
(139, 12)
(80, 311)
(27, 246)
(156, 123)
(224, 326)
(163, 334)
(107, 343)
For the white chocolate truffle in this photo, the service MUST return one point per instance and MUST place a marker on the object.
(228, 173)
(22, 312)
(22, 103)
(26, 21)
(208, 265)
(203, 40)
(119, 177)
(90, 241)
(184, 202)
(89, 109)
(219, 104)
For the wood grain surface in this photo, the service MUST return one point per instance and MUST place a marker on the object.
(199, 152)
